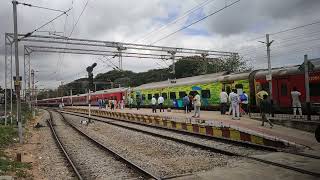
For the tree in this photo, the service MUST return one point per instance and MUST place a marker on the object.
(192, 66)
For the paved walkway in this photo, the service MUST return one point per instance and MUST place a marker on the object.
(245, 124)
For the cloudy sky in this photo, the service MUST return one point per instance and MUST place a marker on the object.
(237, 28)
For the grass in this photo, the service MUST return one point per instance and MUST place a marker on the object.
(8, 136)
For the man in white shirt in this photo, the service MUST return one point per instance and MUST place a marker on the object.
(235, 100)
(197, 105)
(295, 94)
(223, 101)
(154, 104)
(160, 102)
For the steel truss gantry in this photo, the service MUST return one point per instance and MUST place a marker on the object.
(57, 44)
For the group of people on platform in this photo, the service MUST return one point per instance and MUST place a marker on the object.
(189, 101)
(239, 104)
(111, 103)
(236, 101)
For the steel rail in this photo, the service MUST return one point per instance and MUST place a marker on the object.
(212, 148)
(220, 139)
(62, 147)
(120, 157)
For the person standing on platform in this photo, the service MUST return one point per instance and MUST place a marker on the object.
(265, 109)
(235, 100)
(160, 103)
(197, 105)
(244, 102)
(260, 95)
(121, 104)
(112, 102)
(138, 100)
(296, 104)
(186, 102)
(223, 101)
(99, 103)
(154, 104)
(190, 103)
(107, 103)
(130, 101)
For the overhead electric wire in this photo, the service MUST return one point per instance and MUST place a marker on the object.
(30, 33)
(197, 7)
(40, 7)
(287, 30)
(78, 18)
(201, 19)
(294, 28)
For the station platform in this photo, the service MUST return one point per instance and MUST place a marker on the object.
(214, 118)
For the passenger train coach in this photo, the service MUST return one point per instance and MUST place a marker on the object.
(209, 87)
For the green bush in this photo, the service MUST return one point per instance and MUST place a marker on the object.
(7, 135)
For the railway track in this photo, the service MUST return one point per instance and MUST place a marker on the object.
(142, 129)
(89, 158)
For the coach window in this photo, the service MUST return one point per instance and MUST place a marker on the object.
(164, 95)
(156, 95)
(173, 95)
(182, 94)
(205, 93)
(192, 93)
(284, 89)
(238, 86)
(314, 89)
(143, 97)
(149, 96)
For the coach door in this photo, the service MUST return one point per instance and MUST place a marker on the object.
(284, 95)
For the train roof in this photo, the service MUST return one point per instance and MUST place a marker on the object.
(207, 78)
(108, 91)
(288, 70)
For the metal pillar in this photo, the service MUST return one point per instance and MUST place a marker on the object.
(11, 85)
(32, 94)
(120, 49)
(71, 97)
(17, 82)
(269, 78)
(5, 81)
(306, 80)
(89, 101)
(8, 78)
(27, 76)
(205, 63)
(173, 53)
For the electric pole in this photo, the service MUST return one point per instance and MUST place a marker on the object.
(32, 93)
(269, 76)
(71, 97)
(17, 81)
(173, 53)
(205, 62)
(307, 86)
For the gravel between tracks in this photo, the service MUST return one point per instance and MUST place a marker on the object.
(212, 143)
(160, 156)
(93, 162)
(51, 162)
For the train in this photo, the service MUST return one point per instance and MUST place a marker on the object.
(209, 86)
